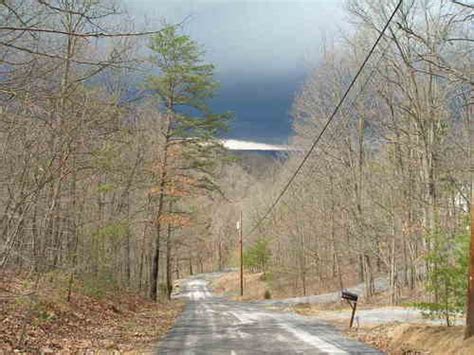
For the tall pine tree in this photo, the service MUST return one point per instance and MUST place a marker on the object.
(191, 150)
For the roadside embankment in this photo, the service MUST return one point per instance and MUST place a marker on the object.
(394, 330)
(398, 338)
(37, 318)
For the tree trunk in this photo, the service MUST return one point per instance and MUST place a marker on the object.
(156, 256)
(169, 286)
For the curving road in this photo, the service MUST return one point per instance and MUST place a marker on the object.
(213, 325)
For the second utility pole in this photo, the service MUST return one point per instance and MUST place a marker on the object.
(241, 257)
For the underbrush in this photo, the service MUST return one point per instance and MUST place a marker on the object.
(37, 317)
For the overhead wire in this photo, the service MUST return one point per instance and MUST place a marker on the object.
(328, 122)
(344, 123)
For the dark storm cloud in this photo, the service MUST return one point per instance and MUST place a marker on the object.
(261, 49)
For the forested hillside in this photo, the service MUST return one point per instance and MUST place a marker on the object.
(105, 177)
(115, 183)
(386, 191)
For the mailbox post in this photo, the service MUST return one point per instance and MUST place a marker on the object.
(351, 298)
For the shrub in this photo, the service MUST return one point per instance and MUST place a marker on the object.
(447, 277)
(256, 257)
(98, 286)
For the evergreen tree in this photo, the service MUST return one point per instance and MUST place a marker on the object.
(191, 150)
(447, 279)
(258, 256)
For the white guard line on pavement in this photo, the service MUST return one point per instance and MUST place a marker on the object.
(313, 340)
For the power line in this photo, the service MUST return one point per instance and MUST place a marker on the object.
(328, 122)
(346, 120)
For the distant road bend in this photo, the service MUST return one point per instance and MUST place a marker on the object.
(213, 325)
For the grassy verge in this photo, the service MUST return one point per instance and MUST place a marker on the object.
(397, 338)
(228, 285)
(40, 319)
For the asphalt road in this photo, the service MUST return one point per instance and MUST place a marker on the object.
(213, 325)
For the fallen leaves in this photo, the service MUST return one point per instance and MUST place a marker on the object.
(47, 323)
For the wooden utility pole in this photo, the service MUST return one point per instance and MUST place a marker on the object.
(240, 228)
(470, 288)
(469, 332)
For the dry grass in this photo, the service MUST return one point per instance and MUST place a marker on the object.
(306, 309)
(44, 321)
(255, 285)
(380, 299)
(229, 285)
(397, 338)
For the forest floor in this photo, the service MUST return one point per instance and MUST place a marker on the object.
(35, 317)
